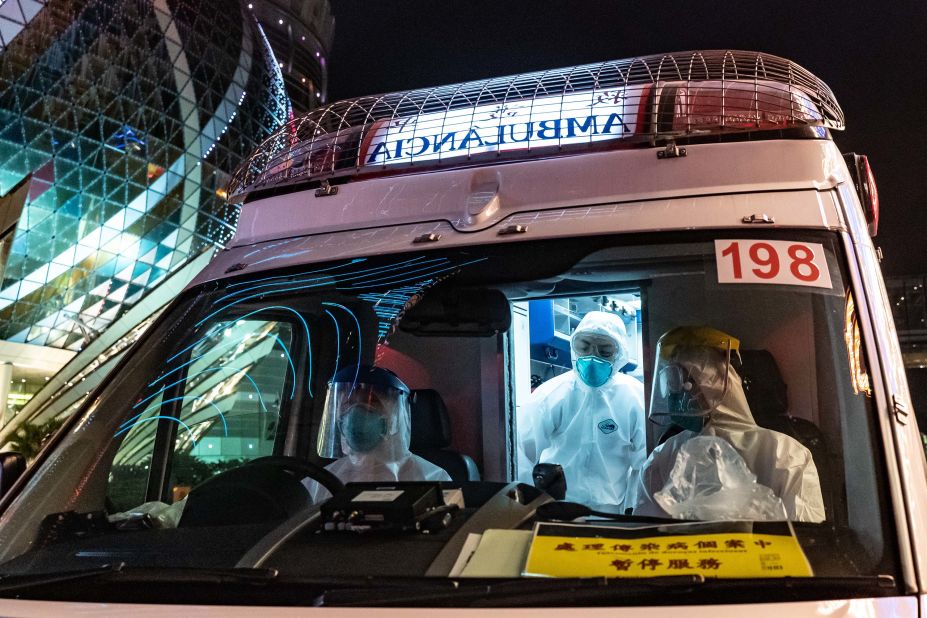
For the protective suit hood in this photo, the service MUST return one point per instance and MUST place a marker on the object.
(733, 413)
(605, 326)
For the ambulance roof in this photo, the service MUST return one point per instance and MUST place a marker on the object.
(622, 103)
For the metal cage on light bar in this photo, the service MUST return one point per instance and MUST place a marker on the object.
(632, 101)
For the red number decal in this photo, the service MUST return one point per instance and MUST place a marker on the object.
(770, 261)
(734, 251)
(802, 256)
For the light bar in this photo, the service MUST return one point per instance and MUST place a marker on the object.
(625, 102)
(575, 118)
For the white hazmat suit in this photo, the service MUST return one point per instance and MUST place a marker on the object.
(367, 421)
(596, 433)
(358, 468)
(778, 461)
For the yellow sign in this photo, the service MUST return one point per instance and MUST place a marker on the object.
(717, 549)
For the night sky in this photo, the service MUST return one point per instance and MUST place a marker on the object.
(873, 55)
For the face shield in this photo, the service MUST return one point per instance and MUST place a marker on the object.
(366, 413)
(692, 375)
(599, 347)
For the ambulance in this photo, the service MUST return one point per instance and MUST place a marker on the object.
(454, 239)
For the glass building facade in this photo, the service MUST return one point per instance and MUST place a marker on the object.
(119, 123)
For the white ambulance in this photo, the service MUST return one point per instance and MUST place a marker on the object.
(443, 364)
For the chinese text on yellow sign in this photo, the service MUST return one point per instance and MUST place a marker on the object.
(724, 549)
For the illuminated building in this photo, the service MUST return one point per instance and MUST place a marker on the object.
(300, 33)
(119, 124)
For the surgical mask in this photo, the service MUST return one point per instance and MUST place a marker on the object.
(593, 371)
(363, 428)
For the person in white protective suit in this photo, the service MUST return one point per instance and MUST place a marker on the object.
(697, 388)
(590, 420)
(367, 425)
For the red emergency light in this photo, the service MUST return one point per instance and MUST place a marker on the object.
(864, 182)
(708, 106)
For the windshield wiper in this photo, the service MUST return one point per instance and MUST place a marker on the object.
(9, 583)
(519, 591)
(28, 581)
(553, 592)
(405, 592)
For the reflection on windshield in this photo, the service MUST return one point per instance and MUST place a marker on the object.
(634, 379)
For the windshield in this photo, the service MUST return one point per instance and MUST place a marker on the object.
(562, 408)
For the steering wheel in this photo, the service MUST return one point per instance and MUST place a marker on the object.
(262, 490)
(301, 467)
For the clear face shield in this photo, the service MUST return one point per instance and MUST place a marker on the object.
(692, 376)
(365, 419)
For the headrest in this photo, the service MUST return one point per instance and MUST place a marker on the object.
(431, 426)
(766, 392)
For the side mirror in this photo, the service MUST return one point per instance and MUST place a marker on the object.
(550, 479)
(12, 465)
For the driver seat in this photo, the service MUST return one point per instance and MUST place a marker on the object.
(431, 435)
(767, 396)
